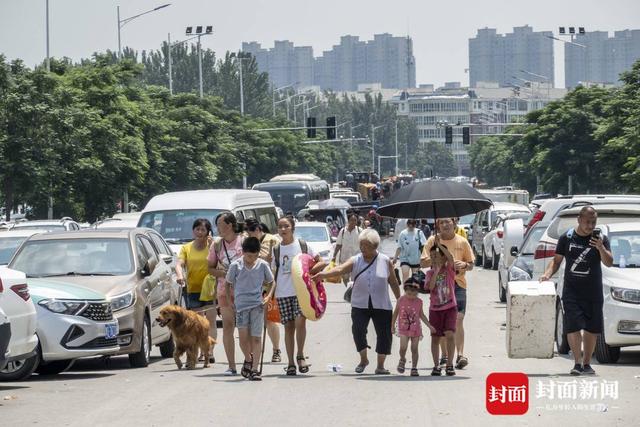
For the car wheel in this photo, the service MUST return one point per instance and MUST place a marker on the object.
(55, 367)
(495, 259)
(141, 358)
(477, 257)
(486, 262)
(502, 292)
(604, 352)
(167, 348)
(20, 369)
(561, 338)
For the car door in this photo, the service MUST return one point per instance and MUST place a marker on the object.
(153, 283)
(169, 284)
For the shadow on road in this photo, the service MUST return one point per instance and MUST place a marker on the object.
(409, 378)
(108, 363)
(66, 376)
(11, 387)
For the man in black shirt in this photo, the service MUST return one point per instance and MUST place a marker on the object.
(582, 250)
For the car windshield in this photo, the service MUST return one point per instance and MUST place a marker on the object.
(312, 234)
(176, 226)
(8, 246)
(626, 244)
(289, 199)
(71, 257)
(467, 219)
(562, 224)
(48, 227)
(531, 242)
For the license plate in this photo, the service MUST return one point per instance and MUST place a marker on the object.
(111, 330)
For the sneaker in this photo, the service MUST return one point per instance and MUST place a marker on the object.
(577, 369)
(588, 370)
(230, 372)
(276, 356)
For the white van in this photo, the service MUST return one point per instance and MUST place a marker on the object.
(172, 214)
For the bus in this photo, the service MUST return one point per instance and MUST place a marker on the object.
(293, 194)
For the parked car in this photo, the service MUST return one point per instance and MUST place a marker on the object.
(486, 221)
(318, 236)
(349, 196)
(522, 266)
(493, 240)
(16, 303)
(73, 322)
(120, 220)
(5, 334)
(549, 208)
(607, 214)
(132, 267)
(11, 240)
(63, 224)
(466, 222)
(621, 290)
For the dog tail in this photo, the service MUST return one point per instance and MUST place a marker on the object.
(212, 341)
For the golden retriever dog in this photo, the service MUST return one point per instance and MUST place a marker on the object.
(190, 332)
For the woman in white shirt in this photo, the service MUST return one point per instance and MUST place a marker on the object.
(347, 244)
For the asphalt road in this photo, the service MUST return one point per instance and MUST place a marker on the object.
(96, 393)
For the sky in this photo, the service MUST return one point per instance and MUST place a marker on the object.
(440, 29)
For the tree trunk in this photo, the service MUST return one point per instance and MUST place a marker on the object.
(8, 197)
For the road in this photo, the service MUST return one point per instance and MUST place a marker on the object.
(96, 393)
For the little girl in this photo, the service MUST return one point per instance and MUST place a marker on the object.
(408, 313)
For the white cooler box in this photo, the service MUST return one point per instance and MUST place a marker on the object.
(531, 319)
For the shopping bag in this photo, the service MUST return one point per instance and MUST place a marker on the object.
(273, 313)
(330, 267)
(209, 287)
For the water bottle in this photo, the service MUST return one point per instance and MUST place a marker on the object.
(623, 262)
(332, 367)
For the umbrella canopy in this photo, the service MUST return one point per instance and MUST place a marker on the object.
(434, 199)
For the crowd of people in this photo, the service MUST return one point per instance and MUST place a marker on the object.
(255, 292)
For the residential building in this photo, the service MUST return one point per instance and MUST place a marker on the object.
(594, 57)
(504, 58)
(285, 63)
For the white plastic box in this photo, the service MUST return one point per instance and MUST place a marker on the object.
(531, 319)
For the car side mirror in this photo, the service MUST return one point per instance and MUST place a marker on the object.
(168, 259)
(514, 251)
(149, 267)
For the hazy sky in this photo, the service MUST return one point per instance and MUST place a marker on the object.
(440, 29)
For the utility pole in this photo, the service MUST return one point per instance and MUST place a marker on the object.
(48, 63)
(373, 148)
(241, 88)
(397, 147)
(169, 58)
(200, 66)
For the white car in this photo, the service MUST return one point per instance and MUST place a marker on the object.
(568, 218)
(5, 334)
(493, 240)
(63, 224)
(621, 291)
(11, 240)
(318, 236)
(18, 307)
(120, 220)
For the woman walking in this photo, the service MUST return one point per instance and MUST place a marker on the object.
(267, 243)
(193, 258)
(372, 274)
(225, 249)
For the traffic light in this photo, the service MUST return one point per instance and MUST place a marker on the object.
(331, 127)
(448, 135)
(311, 127)
(466, 135)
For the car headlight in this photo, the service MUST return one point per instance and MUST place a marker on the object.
(63, 307)
(626, 295)
(518, 274)
(121, 301)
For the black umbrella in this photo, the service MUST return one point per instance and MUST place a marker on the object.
(434, 199)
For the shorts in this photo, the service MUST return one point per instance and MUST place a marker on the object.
(461, 298)
(192, 301)
(253, 319)
(409, 265)
(289, 309)
(443, 320)
(582, 315)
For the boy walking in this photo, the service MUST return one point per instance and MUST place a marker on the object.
(246, 276)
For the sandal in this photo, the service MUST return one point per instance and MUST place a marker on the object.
(303, 369)
(290, 370)
(246, 368)
(450, 371)
(414, 372)
(401, 364)
(436, 372)
(276, 356)
(443, 362)
(255, 376)
(360, 368)
(461, 362)
(382, 371)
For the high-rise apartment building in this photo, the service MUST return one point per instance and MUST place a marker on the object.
(594, 57)
(508, 59)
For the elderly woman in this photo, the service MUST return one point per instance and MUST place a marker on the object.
(372, 274)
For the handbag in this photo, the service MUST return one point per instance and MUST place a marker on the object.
(349, 291)
(209, 288)
(273, 312)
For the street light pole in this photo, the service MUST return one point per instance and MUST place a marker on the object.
(119, 27)
(169, 58)
(48, 63)
(125, 21)
(241, 88)
(396, 147)
(200, 67)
